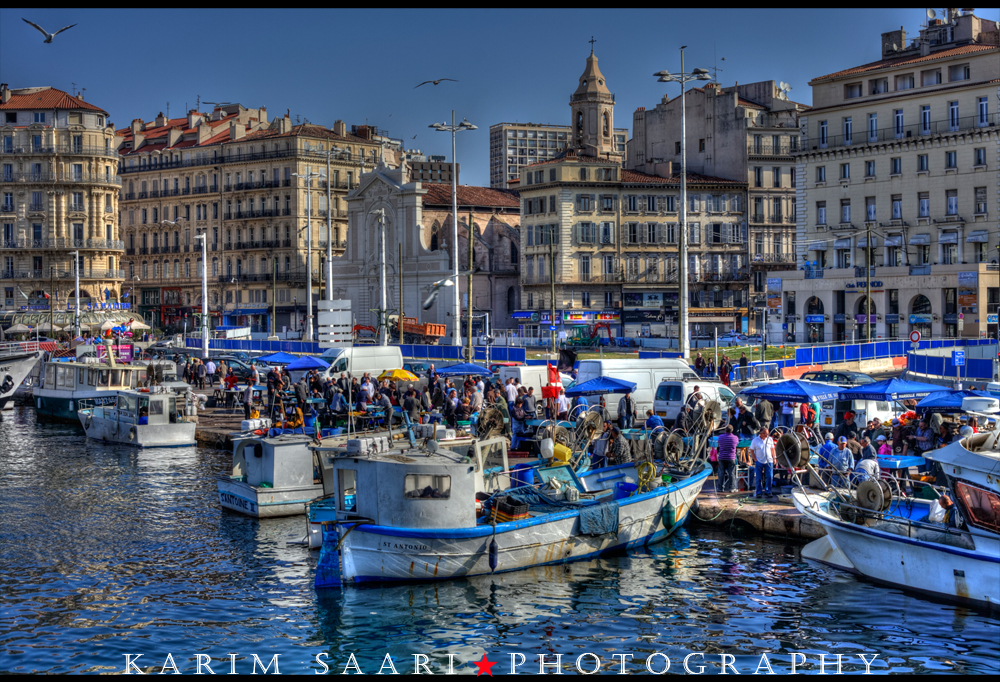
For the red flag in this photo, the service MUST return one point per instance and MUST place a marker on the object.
(555, 384)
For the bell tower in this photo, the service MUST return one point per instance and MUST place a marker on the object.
(593, 117)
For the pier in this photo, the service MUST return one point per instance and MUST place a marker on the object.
(741, 513)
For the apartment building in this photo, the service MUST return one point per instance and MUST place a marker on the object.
(607, 236)
(897, 185)
(746, 133)
(58, 196)
(516, 145)
(238, 178)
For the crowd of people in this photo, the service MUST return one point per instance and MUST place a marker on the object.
(706, 367)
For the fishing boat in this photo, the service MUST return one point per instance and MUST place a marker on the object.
(891, 539)
(409, 512)
(16, 362)
(147, 418)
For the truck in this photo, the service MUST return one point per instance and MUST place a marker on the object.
(414, 332)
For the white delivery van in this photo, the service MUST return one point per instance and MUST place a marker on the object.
(832, 412)
(531, 375)
(672, 395)
(646, 374)
(361, 359)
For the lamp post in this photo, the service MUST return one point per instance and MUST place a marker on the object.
(204, 293)
(379, 213)
(444, 127)
(308, 176)
(76, 284)
(329, 222)
(683, 78)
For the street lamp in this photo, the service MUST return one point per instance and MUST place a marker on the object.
(329, 219)
(308, 176)
(683, 78)
(444, 127)
(204, 293)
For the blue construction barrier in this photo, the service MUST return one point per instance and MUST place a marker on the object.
(975, 368)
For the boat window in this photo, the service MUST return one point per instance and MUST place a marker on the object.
(62, 375)
(80, 374)
(983, 506)
(427, 487)
(143, 410)
(92, 377)
(103, 377)
(116, 377)
(126, 403)
(172, 409)
(50, 375)
(155, 407)
(346, 490)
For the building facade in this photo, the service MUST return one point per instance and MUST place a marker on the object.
(746, 133)
(418, 219)
(898, 167)
(606, 237)
(515, 145)
(59, 193)
(430, 167)
(237, 178)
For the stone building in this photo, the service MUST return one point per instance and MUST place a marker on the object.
(608, 235)
(58, 195)
(232, 174)
(898, 163)
(419, 217)
(747, 133)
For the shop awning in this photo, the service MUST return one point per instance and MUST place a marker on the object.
(980, 236)
(920, 240)
(248, 311)
(894, 240)
(817, 246)
(863, 243)
(842, 244)
(948, 238)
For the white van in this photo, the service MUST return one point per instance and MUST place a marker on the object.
(361, 359)
(646, 374)
(531, 375)
(672, 395)
(832, 412)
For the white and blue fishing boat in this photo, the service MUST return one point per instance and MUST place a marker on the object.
(893, 540)
(410, 512)
(147, 418)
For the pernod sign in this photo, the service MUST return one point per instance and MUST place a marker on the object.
(863, 285)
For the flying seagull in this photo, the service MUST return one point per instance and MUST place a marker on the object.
(436, 287)
(426, 82)
(414, 137)
(48, 36)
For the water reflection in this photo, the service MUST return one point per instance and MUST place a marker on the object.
(108, 550)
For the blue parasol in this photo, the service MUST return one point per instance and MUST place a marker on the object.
(601, 385)
(795, 390)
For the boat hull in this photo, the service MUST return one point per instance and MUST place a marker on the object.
(239, 496)
(175, 435)
(370, 553)
(63, 405)
(954, 572)
(13, 370)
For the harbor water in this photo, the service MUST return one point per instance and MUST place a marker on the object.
(108, 550)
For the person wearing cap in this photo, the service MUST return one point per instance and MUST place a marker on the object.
(884, 448)
(846, 427)
(826, 451)
(763, 451)
(842, 462)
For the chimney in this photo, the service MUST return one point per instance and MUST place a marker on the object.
(236, 130)
(160, 120)
(204, 131)
(340, 128)
(136, 126)
(193, 118)
(4, 93)
(263, 116)
(890, 38)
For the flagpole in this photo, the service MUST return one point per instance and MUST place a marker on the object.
(76, 282)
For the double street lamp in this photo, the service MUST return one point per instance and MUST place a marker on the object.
(683, 78)
(308, 177)
(453, 128)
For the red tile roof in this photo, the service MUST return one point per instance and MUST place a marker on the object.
(636, 177)
(50, 98)
(306, 129)
(439, 194)
(905, 61)
(748, 103)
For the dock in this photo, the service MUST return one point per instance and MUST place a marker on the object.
(741, 513)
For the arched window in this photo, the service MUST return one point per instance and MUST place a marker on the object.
(814, 306)
(921, 305)
(607, 125)
(215, 267)
(434, 236)
(920, 315)
(511, 300)
(579, 123)
(863, 303)
(187, 267)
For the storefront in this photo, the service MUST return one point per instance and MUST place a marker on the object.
(643, 323)
(815, 320)
(921, 316)
(255, 318)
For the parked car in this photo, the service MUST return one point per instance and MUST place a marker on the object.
(418, 368)
(838, 378)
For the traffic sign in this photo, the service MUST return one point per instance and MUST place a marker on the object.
(915, 336)
(958, 358)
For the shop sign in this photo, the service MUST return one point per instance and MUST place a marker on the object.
(968, 288)
(633, 299)
(863, 285)
(774, 295)
(839, 318)
(588, 317)
(815, 319)
(951, 318)
(892, 319)
(860, 319)
(642, 316)
(920, 318)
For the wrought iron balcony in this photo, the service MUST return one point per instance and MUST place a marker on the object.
(80, 150)
(859, 138)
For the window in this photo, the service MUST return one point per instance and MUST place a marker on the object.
(869, 169)
(694, 233)
(845, 171)
(758, 176)
(895, 166)
(923, 205)
(671, 204)
(775, 177)
(949, 255)
(951, 159)
(633, 202)
(552, 203)
(897, 206)
(677, 147)
(39, 117)
(852, 90)
(583, 174)
(845, 210)
(923, 164)
(701, 145)
(925, 119)
(609, 299)
(821, 213)
(584, 268)
(983, 506)
(651, 203)
(584, 201)
(983, 115)
(823, 134)
(897, 119)
(821, 174)
(609, 265)
(872, 127)
(979, 156)
(951, 197)
(904, 82)
(585, 298)
(848, 130)
(980, 201)
(843, 258)
(607, 203)
(870, 209)
(953, 115)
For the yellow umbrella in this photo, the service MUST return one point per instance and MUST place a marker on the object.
(397, 375)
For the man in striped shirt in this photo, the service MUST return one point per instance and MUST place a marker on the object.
(727, 460)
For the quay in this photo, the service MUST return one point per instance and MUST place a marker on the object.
(740, 513)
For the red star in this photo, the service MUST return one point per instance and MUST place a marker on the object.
(484, 666)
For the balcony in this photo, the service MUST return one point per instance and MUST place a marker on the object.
(7, 208)
(61, 274)
(63, 243)
(130, 251)
(81, 178)
(78, 208)
(814, 273)
(335, 213)
(143, 250)
(155, 250)
(903, 133)
(173, 249)
(243, 277)
(924, 269)
(36, 207)
(774, 258)
(770, 150)
(79, 150)
(336, 244)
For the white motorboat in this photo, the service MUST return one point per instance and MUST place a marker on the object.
(147, 418)
(16, 362)
(409, 513)
(896, 544)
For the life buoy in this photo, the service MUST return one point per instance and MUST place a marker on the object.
(88, 422)
(131, 434)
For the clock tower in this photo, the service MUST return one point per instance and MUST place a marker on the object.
(593, 108)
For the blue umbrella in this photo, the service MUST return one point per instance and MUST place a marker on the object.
(464, 369)
(890, 389)
(307, 363)
(281, 358)
(948, 402)
(795, 390)
(601, 385)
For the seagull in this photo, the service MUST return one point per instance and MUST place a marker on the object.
(414, 137)
(48, 36)
(436, 287)
(415, 87)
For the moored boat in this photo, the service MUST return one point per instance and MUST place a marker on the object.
(15, 365)
(146, 418)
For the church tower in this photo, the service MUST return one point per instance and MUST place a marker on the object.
(593, 108)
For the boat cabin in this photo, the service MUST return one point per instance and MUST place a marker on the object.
(76, 376)
(279, 462)
(137, 407)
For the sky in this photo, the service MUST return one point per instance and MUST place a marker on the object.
(361, 66)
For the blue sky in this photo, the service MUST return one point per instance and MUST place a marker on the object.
(361, 65)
